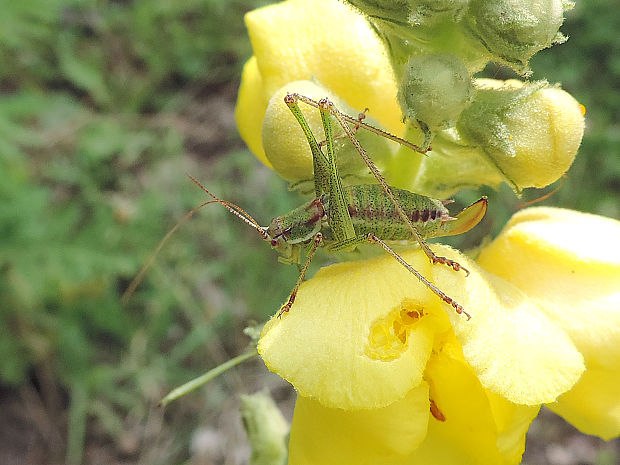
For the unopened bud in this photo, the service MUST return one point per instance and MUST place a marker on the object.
(514, 30)
(435, 89)
(266, 429)
(394, 10)
(428, 11)
(409, 12)
(531, 131)
(286, 146)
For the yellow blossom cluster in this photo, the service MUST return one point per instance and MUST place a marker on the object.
(385, 372)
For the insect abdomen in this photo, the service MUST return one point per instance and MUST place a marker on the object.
(372, 211)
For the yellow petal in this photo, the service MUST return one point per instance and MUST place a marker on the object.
(352, 339)
(511, 423)
(326, 436)
(515, 350)
(478, 429)
(323, 40)
(571, 261)
(343, 321)
(250, 109)
(593, 405)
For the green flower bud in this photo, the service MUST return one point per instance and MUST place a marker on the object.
(435, 89)
(409, 12)
(395, 10)
(419, 27)
(530, 131)
(266, 429)
(514, 30)
(429, 11)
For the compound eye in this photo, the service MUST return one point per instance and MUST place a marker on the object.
(275, 242)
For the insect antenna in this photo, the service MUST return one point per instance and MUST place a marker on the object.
(545, 196)
(231, 207)
(234, 209)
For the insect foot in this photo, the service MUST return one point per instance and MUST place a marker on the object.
(457, 307)
(286, 307)
(373, 239)
(451, 263)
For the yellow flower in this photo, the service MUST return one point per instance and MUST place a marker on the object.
(571, 262)
(479, 427)
(385, 371)
(324, 41)
(364, 341)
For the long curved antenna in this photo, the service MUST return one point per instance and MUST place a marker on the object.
(545, 196)
(231, 207)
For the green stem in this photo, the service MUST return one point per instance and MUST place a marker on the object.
(208, 376)
(405, 164)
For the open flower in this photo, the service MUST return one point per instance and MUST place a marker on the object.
(366, 346)
(571, 262)
(364, 342)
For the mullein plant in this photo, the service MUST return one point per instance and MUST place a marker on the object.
(385, 372)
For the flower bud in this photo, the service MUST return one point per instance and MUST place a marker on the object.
(408, 12)
(428, 11)
(287, 148)
(530, 131)
(266, 429)
(514, 30)
(435, 89)
(395, 10)
(416, 27)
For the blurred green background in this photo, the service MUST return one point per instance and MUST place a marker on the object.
(104, 106)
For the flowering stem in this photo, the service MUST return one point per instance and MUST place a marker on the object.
(208, 376)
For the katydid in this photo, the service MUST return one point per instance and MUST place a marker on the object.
(342, 217)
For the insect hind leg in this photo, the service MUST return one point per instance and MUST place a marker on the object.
(327, 106)
(360, 117)
(438, 292)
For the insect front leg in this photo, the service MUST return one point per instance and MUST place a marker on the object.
(316, 241)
